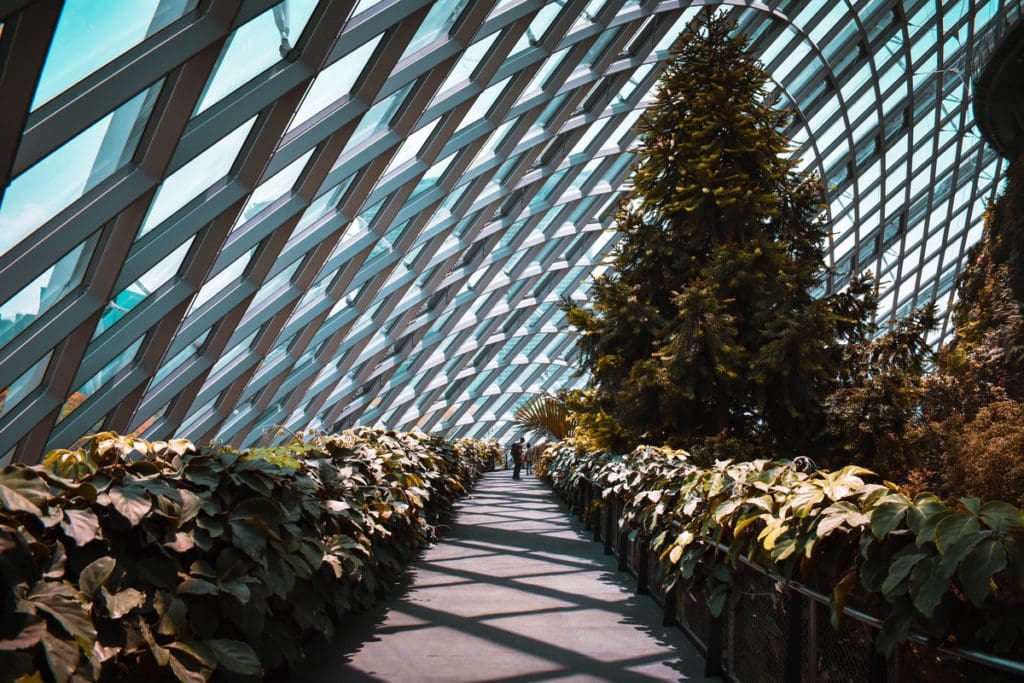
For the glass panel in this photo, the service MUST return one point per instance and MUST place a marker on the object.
(187, 182)
(466, 65)
(221, 280)
(321, 206)
(41, 294)
(23, 385)
(274, 286)
(135, 293)
(272, 188)
(437, 22)
(179, 358)
(378, 116)
(411, 146)
(91, 385)
(334, 82)
(41, 192)
(76, 52)
(255, 46)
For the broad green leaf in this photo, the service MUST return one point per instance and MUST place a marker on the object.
(23, 631)
(955, 535)
(131, 501)
(195, 586)
(123, 602)
(1001, 517)
(235, 656)
(886, 517)
(902, 563)
(81, 525)
(174, 619)
(95, 575)
(841, 595)
(62, 656)
(56, 600)
(928, 586)
(977, 569)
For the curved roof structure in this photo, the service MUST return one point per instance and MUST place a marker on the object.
(221, 215)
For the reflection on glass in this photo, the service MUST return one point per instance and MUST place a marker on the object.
(179, 358)
(187, 182)
(272, 188)
(410, 147)
(107, 373)
(90, 33)
(41, 192)
(255, 46)
(41, 294)
(334, 82)
(221, 280)
(275, 285)
(466, 65)
(437, 22)
(23, 385)
(378, 116)
(135, 293)
(228, 357)
(324, 204)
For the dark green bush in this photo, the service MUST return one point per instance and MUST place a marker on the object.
(953, 570)
(129, 560)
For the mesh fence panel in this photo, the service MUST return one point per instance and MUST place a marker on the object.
(757, 638)
(835, 655)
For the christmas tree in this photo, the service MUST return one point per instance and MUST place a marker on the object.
(705, 330)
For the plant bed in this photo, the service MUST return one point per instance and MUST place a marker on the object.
(945, 576)
(126, 560)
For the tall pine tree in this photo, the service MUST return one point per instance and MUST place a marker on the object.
(705, 328)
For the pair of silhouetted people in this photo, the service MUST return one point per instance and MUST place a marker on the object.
(518, 451)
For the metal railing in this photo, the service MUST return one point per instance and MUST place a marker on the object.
(775, 629)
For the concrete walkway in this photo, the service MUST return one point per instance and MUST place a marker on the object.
(515, 592)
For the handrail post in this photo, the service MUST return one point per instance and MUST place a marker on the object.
(794, 639)
(623, 543)
(670, 616)
(713, 656)
(878, 669)
(642, 568)
(609, 525)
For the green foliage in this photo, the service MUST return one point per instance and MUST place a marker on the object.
(705, 328)
(134, 560)
(951, 570)
(546, 415)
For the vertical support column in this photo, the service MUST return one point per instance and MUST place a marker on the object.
(643, 567)
(879, 668)
(610, 524)
(794, 639)
(623, 545)
(713, 657)
(669, 617)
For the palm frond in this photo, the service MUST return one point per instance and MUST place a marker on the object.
(546, 415)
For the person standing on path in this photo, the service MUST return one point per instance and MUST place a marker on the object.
(517, 456)
(528, 458)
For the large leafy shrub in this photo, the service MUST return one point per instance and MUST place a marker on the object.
(131, 560)
(953, 570)
(705, 328)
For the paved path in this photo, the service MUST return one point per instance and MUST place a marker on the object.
(516, 592)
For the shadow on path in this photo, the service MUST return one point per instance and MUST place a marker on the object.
(515, 592)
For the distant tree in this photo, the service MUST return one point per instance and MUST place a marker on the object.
(706, 330)
(989, 312)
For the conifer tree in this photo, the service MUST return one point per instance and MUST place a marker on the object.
(705, 328)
